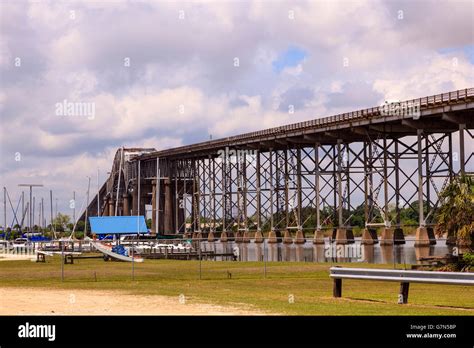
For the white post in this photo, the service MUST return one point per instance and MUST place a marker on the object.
(4, 213)
(87, 206)
(98, 194)
(118, 187)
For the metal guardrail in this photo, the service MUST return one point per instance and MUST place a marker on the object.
(401, 276)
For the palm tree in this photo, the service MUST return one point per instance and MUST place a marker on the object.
(456, 214)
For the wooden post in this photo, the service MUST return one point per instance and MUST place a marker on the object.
(337, 288)
(403, 296)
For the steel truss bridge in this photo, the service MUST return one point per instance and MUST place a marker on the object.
(307, 176)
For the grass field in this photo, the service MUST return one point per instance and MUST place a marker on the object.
(307, 284)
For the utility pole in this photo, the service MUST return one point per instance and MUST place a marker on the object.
(43, 221)
(4, 213)
(22, 207)
(51, 216)
(39, 214)
(33, 215)
(98, 194)
(87, 206)
(74, 206)
(56, 215)
(30, 215)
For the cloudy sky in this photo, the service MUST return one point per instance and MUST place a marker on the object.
(163, 74)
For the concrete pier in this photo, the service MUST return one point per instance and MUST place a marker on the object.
(344, 236)
(224, 237)
(369, 236)
(421, 237)
(398, 236)
(300, 238)
(210, 237)
(258, 237)
(287, 239)
(126, 205)
(274, 236)
(238, 237)
(341, 236)
(387, 236)
(318, 237)
(431, 235)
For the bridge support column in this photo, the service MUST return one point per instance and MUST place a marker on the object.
(126, 205)
(274, 236)
(398, 236)
(135, 201)
(224, 237)
(246, 237)
(154, 227)
(211, 237)
(287, 237)
(258, 237)
(341, 236)
(431, 235)
(318, 237)
(238, 237)
(106, 208)
(111, 207)
(369, 236)
(387, 236)
(168, 218)
(300, 238)
(421, 237)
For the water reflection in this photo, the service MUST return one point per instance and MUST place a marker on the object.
(318, 253)
(368, 253)
(386, 253)
(328, 252)
(286, 252)
(299, 253)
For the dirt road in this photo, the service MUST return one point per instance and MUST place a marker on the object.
(34, 301)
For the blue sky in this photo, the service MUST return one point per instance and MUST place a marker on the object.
(466, 50)
(289, 58)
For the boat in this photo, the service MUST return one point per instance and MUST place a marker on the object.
(115, 252)
(21, 243)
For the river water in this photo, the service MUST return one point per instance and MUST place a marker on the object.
(327, 252)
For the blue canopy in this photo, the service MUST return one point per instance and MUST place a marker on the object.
(118, 224)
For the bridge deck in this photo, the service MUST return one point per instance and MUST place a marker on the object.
(441, 112)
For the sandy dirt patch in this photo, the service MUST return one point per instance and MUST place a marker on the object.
(36, 301)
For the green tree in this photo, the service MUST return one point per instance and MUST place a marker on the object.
(456, 214)
(61, 221)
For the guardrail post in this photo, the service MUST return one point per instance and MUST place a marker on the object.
(337, 288)
(403, 296)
